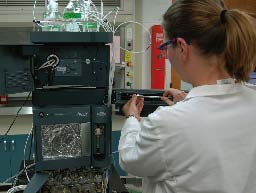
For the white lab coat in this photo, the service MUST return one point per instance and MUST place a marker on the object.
(204, 144)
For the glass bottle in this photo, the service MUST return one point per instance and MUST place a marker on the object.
(88, 22)
(72, 16)
(52, 18)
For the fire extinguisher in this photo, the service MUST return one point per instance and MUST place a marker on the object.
(157, 58)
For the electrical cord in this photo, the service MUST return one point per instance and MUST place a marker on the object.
(17, 114)
(13, 122)
(145, 29)
(31, 144)
(25, 147)
(18, 174)
(24, 161)
(17, 189)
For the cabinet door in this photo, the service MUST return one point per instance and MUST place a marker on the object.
(5, 161)
(17, 146)
(12, 154)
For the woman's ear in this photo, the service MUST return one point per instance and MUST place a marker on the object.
(183, 47)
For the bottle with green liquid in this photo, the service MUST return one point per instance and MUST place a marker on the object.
(52, 18)
(72, 15)
(88, 19)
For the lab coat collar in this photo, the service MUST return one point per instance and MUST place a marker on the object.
(214, 90)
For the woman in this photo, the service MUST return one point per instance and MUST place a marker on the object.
(205, 143)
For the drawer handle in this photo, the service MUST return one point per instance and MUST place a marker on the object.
(5, 145)
(13, 145)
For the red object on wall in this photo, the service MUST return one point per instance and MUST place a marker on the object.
(3, 99)
(157, 58)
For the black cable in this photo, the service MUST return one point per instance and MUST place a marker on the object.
(17, 114)
(32, 69)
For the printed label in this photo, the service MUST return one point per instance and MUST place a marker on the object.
(71, 15)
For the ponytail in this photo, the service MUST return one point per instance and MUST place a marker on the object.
(215, 30)
(240, 52)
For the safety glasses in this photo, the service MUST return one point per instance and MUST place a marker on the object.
(169, 42)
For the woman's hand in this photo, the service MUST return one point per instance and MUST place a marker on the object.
(177, 95)
(134, 106)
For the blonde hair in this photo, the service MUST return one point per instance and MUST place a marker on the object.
(214, 29)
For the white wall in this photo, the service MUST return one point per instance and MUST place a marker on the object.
(149, 13)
